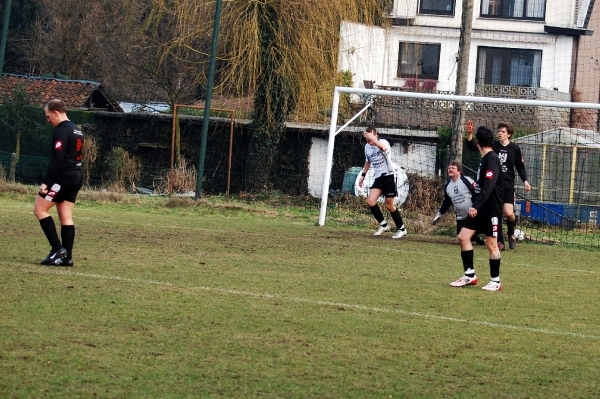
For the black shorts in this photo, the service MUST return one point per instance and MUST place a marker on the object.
(509, 196)
(387, 184)
(65, 187)
(483, 223)
(459, 225)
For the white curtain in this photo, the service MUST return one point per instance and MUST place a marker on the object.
(485, 7)
(536, 8)
(522, 69)
(517, 11)
(408, 58)
(482, 64)
(537, 69)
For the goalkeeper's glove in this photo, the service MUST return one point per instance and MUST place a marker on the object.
(436, 218)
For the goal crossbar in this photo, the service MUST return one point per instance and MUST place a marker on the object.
(334, 131)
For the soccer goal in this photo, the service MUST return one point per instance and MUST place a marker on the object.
(559, 140)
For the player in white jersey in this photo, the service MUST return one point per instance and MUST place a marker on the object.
(377, 156)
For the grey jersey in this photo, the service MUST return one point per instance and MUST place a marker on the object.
(459, 194)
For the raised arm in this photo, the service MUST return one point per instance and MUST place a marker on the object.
(470, 128)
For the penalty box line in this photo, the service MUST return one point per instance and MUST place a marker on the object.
(328, 304)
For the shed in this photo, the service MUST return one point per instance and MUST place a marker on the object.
(563, 167)
(77, 94)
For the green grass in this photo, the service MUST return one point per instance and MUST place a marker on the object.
(235, 300)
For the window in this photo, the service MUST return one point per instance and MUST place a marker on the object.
(419, 60)
(508, 67)
(518, 9)
(441, 7)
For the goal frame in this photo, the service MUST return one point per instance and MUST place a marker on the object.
(371, 93)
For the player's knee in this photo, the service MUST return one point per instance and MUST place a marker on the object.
(463, 238)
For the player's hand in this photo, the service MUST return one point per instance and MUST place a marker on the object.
(43, 189)
(472, 212)
(469, 128)
(369, 136)
(527, 186)
(436, 218)
(360, 181)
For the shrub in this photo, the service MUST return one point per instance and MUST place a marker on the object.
(123, 170)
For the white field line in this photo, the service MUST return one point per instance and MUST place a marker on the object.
(319, 303)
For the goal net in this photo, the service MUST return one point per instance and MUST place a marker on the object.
(559, 141)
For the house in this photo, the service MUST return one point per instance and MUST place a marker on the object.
(518, 48)
(77, 94)
(587, 68)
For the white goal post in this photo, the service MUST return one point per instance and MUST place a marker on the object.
(371, 93)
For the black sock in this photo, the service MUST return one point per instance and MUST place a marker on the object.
(467, 259)
(398, 219)
(376, 211)
(67, 234)
(494, 268)
(510, 227)
(49, 229)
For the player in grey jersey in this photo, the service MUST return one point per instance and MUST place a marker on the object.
(458, 192)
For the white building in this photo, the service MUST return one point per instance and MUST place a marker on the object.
(521, 43)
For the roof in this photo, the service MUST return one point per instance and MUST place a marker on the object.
(563, 136)
(77, 94)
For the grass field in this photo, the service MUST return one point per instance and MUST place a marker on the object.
(235, 301)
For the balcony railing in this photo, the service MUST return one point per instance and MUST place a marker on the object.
(498, 91)
(519, 92)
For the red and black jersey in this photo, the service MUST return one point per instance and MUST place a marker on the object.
(67, 143)
(489, 200)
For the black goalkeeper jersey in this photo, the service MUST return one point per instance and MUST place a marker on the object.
(67, 142)
(489, 200)
(510, 158)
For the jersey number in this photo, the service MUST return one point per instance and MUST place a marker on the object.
(79, 145)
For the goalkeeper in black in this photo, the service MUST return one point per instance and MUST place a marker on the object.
(511, 159)
(61, 184)
(484, 214)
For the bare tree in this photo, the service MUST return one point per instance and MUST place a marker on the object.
(280, 52)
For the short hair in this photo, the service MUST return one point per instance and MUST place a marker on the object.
(371, 129)
(457, 164)
(508, 126)
(484, 137)
(56, 105)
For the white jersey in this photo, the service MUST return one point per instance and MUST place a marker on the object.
(380, 160)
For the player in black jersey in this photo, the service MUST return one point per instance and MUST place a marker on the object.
(61, 184)
(484, 214)
(511, 159)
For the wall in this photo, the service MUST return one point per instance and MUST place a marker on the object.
(413, 157)
(587, 73)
